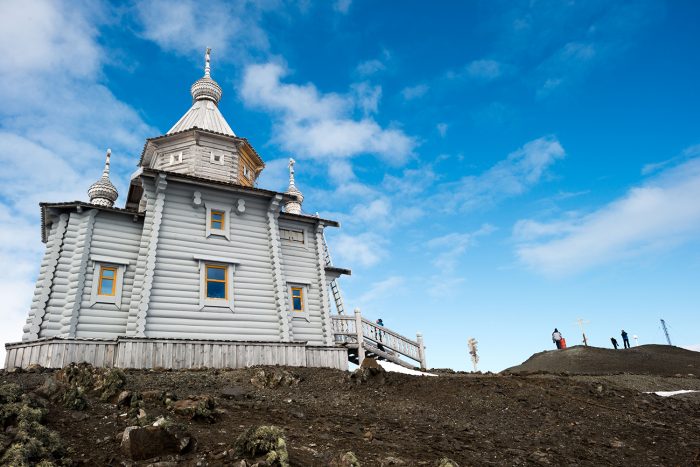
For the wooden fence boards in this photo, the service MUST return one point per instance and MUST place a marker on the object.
(140, 352)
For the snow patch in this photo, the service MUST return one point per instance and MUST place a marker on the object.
(695, 347)
(671, 393)
(393, 367)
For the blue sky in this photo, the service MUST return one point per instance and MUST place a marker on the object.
(499, 168)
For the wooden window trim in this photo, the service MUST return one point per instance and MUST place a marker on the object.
(229, 264)
(301, 297)
(104, 301)
(102, 277)
(226, 222)
(212, 220)
(207, 281)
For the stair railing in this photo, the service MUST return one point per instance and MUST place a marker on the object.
(345, 331)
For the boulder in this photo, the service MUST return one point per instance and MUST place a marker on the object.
(369, 363)
(34, 368)
(345, 459)
(152, 441)
(274, 378)
(124, 398)
(235, 393)
(196, 406)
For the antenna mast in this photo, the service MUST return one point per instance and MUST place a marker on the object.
(663, 324)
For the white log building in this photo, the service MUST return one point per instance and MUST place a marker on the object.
(200, 267)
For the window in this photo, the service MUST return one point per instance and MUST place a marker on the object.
(297, 299)
(215, 280)
(216, 158)
(175, 158)
(216, 283)
(246, 172)
(108, 281)
(298, 295)
(217, 220)
(292, 236)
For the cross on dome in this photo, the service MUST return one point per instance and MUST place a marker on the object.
(102, 192)
(293, 207)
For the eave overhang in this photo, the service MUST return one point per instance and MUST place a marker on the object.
(46, 217)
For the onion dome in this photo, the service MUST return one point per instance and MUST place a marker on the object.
(204, 113)
(293, 207)
(206, 88)
(102, 192)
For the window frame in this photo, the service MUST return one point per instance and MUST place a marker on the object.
(212, 220)
(305, 286)
(220, 156)
(98, 300)
(246, 172)
(217, 261)
(226, 211)
(176, 158)
(207, 280)
(303, 230)
(102, 277)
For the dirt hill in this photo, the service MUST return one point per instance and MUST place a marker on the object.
(386, 420)
(663, 360)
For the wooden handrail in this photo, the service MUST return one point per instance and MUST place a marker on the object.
(345, 330)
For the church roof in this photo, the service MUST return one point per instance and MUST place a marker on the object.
(204, 113)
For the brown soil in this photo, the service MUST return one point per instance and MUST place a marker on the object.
(647, 359)
(475, 420)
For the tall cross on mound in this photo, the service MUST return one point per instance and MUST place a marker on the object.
(582, 322)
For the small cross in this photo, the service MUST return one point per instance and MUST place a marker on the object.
(582, 322)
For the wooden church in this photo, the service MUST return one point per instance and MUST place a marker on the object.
(200, 268)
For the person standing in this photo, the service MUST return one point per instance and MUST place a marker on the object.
(625, 339)
(556, 338)
(380, 335)
(614, 342)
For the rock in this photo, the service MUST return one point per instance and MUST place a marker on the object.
(369, 363)
(445, 462)
(198, 406)
(15, 370)
(48, 388)
(154, 395)
(273, 379)
(392, 461)
(124, 398)
(346, 459)
(151, 441)
(235, 393)
(79, 416)
(34, 368)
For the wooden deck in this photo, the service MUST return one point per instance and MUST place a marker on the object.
(148, 352)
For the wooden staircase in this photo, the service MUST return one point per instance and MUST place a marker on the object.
(376, 342)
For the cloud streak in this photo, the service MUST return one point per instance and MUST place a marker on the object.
(658, 215)
(322, 126)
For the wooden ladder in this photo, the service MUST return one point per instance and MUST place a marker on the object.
(334, 283)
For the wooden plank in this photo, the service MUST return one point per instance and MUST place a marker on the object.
(128, 349)
(50, 349)
(206, 357)
(158, 354)
(43, 352)
(92, 354)
(198, 356)
(110, 350)
(57, 357)
(249, 355)
(169, 355)
(180, 356)
(11, 358)
(139, 355)
(100, 355)
(267, 355)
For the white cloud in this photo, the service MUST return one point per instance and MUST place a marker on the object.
(342, 6)
(57, 122)
(370, 67)
(415, 91)
(658, 215)
(364, 249)
(187, 27)
(453, 245)
(513, 176)
(383, 289)
(692, 151)
(484, 69)
(442, 128)
(322, 126)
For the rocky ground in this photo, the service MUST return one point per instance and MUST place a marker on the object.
(394, 419)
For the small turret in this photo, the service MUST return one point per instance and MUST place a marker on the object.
(293, 207)
(102, 192)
